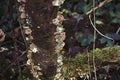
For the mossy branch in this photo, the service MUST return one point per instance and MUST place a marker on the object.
(98, 6)
(102, 56)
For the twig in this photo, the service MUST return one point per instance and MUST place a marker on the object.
(98, 30)
(93, 57)
(118, 30)
(16, 50)
(22, 33)
(98, 6)
(88, 55)
(26, 45)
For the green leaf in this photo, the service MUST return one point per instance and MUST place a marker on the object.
(90, 38)
(116, 20)
(109, 43)
(79, 36)
(99, 12)
(103, 40)
(99, 22)
(84, 42)
(66, 11)
(87, 7)
(117, 7)
(80, 7)
(112, 14)
(84, 39)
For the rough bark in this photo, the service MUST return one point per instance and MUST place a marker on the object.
(41, 13)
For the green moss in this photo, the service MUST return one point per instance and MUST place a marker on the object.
(108, 54)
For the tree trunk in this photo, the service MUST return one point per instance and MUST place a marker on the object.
(41, 13)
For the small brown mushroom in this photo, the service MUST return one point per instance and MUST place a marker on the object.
(40, 73)
(22, 8)
(30, 37)
(28, 31)
(22, 1)
(23, 15)
(2, 36)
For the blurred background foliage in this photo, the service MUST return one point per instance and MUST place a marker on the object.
(80, 38)
(107, 21)
(12, 50)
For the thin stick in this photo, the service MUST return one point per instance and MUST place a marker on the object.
(23, 35)
(16, 50)
(118, 30)
(94, 64)
(98, 30)
(98, 6)
(88, 55)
